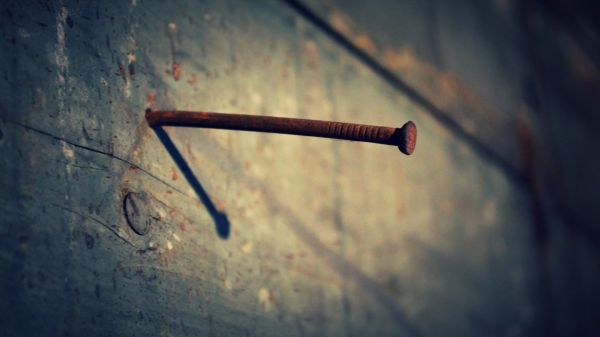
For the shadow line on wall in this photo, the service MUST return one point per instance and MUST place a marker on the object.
(220, 219)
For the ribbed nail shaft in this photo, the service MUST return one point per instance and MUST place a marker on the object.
(404, 137)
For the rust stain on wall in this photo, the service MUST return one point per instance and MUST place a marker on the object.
(444, 89)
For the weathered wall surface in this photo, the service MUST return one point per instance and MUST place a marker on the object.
(299, 236)
(459, 61)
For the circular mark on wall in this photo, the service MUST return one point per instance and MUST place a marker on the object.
(134, 207)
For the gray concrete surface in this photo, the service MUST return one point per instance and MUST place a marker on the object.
(326, 238)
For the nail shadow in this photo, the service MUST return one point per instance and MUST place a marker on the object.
(221, 221)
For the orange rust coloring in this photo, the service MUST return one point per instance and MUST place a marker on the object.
(176, 70)
(405, 137)
(409, 133)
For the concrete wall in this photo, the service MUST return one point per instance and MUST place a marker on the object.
(256, 234)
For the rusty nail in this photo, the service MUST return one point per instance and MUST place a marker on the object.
(405, 137)
(135, 213)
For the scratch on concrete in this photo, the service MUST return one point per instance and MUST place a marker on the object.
(61, 59)
(98, 221)
(111, 155)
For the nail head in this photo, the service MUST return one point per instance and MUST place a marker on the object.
(409, 138)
